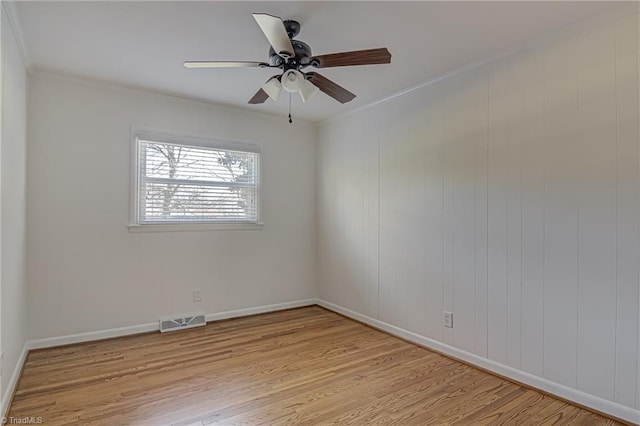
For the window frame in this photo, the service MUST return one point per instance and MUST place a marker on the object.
(135, 225)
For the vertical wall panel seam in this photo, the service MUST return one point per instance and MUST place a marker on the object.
(638, 218)
(509, 148)
(578, 152)
(637, 77)
(2, 121)
(475, 244)
(378, 206)
(486, 301)
(521, 151)
(453, 233)
(615, 329)
(544, 201)
(452, 214)
(443, 213)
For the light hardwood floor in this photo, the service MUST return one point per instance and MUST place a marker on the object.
(304, 366)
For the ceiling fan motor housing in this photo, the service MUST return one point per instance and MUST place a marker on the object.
(302, 53)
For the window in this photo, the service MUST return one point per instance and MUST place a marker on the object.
(195, 182)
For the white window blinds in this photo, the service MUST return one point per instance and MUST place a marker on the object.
(195, 184)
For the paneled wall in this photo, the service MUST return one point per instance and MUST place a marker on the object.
(507, 194)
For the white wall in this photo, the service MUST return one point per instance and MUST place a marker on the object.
(13, 286)
(507, 194)
(87, 272)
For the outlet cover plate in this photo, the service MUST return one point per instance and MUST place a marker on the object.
(448, 319)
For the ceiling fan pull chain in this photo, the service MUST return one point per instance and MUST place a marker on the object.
(290, 120)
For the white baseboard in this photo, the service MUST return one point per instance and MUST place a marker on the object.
(13, 383)
(582, 398)
(91, 336)
(153, 326)
(259, 310)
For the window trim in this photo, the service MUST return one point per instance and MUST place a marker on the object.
(135, 225)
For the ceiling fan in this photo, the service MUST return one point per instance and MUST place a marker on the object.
(293, 56)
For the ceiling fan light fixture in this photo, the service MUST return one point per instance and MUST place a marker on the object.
(273, 87)
(307, 90)
(292, 81)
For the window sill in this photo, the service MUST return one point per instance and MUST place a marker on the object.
(191, 227)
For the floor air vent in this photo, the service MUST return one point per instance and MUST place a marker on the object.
(180, 323)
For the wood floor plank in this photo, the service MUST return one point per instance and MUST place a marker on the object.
(303, 366)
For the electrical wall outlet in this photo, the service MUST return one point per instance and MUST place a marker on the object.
(197, 295)
(448, 319)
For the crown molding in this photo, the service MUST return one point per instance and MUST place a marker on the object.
(627, 9)
(11, 11)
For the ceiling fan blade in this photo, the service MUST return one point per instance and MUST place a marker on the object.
(261, 95)
(337, 92)
(224, 64)
(356, 57)
(273, 28)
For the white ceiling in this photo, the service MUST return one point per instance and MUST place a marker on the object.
(145, 43)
